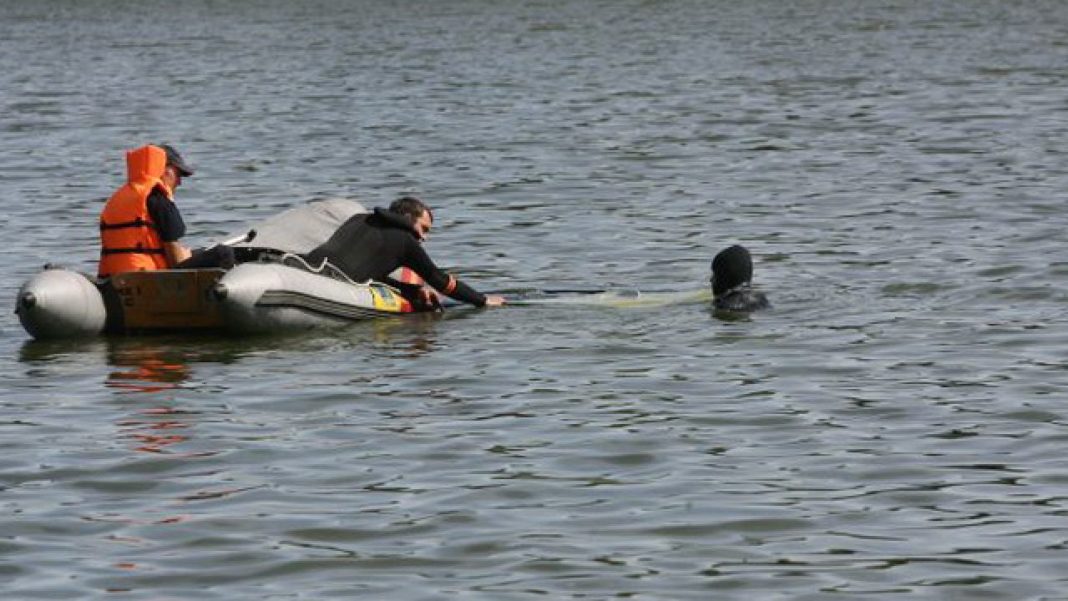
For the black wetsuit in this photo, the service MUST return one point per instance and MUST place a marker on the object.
(742, 299)
(371, 246)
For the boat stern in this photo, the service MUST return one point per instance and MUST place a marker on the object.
(59, 303)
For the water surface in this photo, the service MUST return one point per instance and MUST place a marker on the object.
(892, 429)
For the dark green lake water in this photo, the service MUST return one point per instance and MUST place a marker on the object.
(894, 428)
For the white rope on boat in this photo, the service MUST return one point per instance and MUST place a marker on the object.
(334, 271)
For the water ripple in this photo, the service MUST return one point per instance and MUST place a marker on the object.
(893, 428)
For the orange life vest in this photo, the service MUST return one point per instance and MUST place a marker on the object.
(129, 240)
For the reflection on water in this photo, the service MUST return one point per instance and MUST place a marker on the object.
(151, 370)
(154, 436)
(43, 352)
(145, 368)
(152, 373)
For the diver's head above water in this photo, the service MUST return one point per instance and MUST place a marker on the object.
(731, 268)
(732, 273)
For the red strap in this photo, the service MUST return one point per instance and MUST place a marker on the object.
(409, 277)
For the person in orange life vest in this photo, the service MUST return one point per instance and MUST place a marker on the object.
(140, 226)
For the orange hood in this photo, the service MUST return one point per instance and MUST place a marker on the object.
(145, 167)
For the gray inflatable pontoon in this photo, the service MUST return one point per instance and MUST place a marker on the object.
(271, 290)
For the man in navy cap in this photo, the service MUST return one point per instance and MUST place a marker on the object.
(140, 226)
(165, 213)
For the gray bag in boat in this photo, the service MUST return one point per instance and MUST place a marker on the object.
(300, 229)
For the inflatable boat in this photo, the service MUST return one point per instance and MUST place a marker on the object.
(271, 289)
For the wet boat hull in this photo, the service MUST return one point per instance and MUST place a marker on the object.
(270, 297)
(252, 298)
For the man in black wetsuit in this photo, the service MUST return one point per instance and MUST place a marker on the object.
(371, 246)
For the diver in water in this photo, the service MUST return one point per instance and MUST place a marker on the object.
(732, 272)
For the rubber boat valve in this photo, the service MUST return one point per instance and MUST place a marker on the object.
(27, 301)
(219, 291)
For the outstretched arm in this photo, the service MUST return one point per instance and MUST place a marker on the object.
(420, 263)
